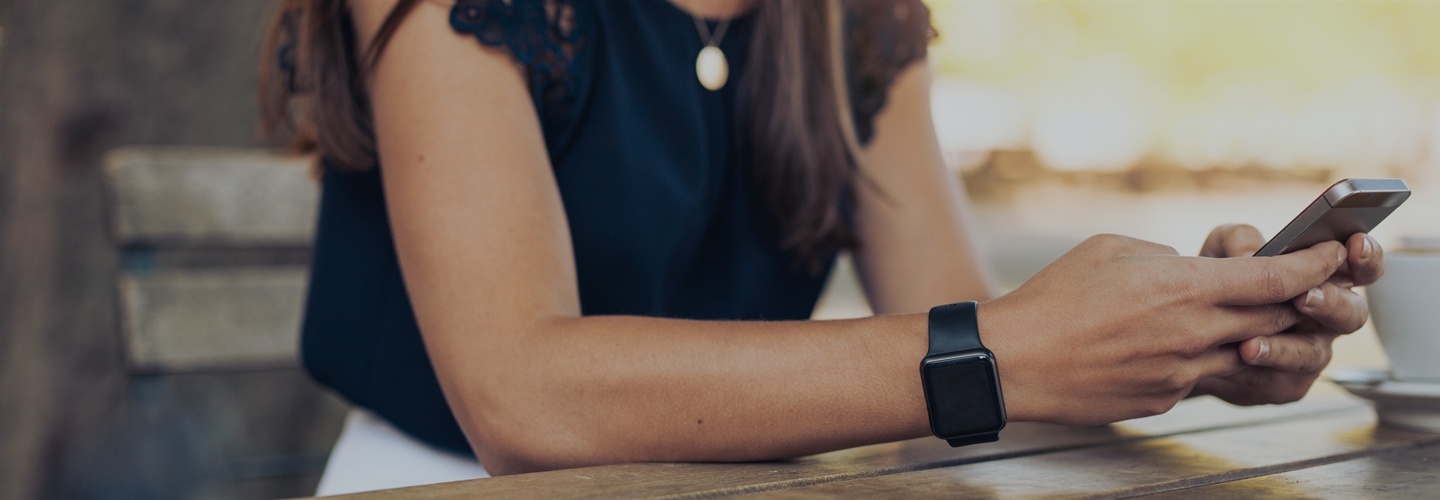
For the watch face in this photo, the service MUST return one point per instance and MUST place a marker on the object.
(964, 395)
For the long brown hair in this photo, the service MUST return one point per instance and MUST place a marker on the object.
(794, 98)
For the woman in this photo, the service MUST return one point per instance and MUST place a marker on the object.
(581, 241)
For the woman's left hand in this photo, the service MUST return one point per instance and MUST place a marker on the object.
(1282, 367)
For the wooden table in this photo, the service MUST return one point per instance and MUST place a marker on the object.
(1327, 445)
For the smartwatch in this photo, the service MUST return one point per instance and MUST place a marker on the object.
(961, 379)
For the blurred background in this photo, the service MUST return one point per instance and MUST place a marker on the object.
(1158, 120)
(1162, 120)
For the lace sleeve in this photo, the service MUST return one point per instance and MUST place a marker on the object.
(885, 37)
(543, 36)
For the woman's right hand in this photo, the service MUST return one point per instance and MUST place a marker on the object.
(1120, 328)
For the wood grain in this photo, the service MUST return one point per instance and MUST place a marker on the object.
(178, 320)
(1150, 466)
(879, 463)
(1404, 473)
(188, 196)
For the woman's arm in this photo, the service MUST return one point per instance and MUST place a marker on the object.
(486, 256)
(917, 247)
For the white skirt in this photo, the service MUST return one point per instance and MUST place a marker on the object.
(372, 455)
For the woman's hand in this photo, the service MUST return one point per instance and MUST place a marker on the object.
(1119, 328)
(1281, 368)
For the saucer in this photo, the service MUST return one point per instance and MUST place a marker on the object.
(1411, 406)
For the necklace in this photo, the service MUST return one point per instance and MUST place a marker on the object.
(711, 68)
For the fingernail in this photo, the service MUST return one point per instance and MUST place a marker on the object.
(1340, 255)
(1264, 351)
(1314, 297)
(1366, 248)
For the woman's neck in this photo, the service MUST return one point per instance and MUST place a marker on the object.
(714, 9)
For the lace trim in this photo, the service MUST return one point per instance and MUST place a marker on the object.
(542, 35)
(885, 38)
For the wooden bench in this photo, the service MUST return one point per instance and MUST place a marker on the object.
(214, 247)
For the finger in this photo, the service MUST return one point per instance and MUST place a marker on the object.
(1219, 361)
(1289, 352)
(1251, 386)
(1244, 241)
(1232, 240)
(1341, 278)
(1227, 390)
(1334, 307)
(1269, 280)
(1366, 259)
(1145, 247)
(1309, 325)
(1257, 386)
(1240, 323)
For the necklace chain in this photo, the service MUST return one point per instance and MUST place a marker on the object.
(704, 30)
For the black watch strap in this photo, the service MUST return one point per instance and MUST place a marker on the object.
(954, 327)
(978, 439)
(955, 330)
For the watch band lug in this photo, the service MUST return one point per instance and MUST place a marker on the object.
(977, 439)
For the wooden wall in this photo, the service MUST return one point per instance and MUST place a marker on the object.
(78, 78)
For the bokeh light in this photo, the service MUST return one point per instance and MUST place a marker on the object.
(1112, 85)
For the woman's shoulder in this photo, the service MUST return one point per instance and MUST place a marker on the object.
(899, 29)
(533, 30)
(885, 38)
(547, 38)
(542, 35)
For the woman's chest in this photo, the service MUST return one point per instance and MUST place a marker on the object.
(650, 162)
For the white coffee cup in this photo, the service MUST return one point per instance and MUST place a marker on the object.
(1405, 309)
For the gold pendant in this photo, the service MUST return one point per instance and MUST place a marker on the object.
(711, 68)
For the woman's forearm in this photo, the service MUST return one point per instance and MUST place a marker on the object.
(484, 246)
(580, 391)
(618, 389)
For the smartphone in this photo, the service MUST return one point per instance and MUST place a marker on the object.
(1348, 207)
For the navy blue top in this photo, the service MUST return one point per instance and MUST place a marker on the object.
(654, 179)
